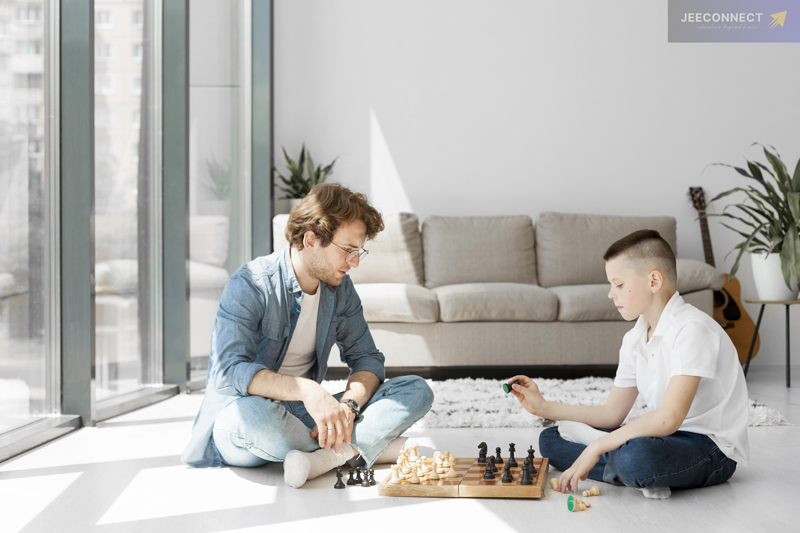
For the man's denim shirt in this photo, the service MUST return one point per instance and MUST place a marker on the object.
(257, 315)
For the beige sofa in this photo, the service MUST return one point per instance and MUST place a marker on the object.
(468, 292)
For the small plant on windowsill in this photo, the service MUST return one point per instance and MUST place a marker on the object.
(303, 174)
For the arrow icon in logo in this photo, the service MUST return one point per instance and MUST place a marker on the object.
(778, 18)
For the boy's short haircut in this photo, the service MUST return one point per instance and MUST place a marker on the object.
(326, 207)
(647, 246)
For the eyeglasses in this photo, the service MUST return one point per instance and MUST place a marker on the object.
(351, 256)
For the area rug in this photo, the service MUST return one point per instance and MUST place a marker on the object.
(465, 403)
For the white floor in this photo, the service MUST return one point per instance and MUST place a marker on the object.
(126, 475)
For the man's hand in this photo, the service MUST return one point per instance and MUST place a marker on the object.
(527, 392)
(579, 470)
(345, 436)
(334, 420)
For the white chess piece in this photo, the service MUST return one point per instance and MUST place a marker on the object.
(452, 461)
(414, 477)
(395, 475)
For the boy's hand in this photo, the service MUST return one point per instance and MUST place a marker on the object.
(579, 470)
(527, 392)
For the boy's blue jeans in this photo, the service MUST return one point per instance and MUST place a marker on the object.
(254, 430)
(682, 460)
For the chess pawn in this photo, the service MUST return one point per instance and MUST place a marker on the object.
(414, 477)
(594, 491)
(507, 477)
(488, 473)
(434, 474)
(372, 477)
(498, 459)
(352, 480)
(574, 504)
(526, 476)
(452, 461)
(554, 483)
(452, 472)
(395, 475)
(339, 483)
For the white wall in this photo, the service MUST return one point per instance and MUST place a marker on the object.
(521, 106)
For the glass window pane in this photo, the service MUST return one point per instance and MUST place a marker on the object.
(124, 179)
(217, 139)
(23, 215)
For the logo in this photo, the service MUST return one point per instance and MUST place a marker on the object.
(778, 18)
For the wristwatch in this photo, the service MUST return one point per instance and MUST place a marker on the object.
(353, 405)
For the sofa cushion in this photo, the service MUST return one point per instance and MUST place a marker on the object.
(478, 250)
(584, 303)
(494, 302)
(398, 302)
(121, 276)
(395, 256)
(570, 248)
(696, 276)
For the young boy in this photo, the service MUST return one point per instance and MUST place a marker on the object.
(685, 367)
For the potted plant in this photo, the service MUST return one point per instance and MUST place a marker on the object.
(772, 220)
(303, 176)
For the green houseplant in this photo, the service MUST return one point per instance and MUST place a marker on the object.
(770, 217)
(303, 175)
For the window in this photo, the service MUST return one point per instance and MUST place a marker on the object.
(103, 19)
(29, 13)
(31, 80)
(137, 119)
(137, 52)
(104, 84)
(136, 84)
(103, 118)
(138, 19)
(103, 51)
(29, 47)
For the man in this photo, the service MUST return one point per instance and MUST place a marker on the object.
(278, 318)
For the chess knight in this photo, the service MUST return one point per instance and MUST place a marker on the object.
(278, 318)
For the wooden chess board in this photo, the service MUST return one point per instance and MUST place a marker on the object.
(470, 483)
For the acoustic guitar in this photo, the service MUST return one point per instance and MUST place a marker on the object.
(728, 309)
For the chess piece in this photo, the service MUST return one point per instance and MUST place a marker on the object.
(507, 387)
(594, 491)
(574, 504)
(498, 460)
(528, 462)
(488, 473)
(452, 461)
(352, 480)
(507, 477)
(372, 477)
(365, 483)
(531, 453)
(358, 476)
(533, 468)
(395, 475)
(434, 475)
(452, 472)
(339, 483)
(554, 483)
(482, 454)
(414, 477)
(526, 476)
(511, 460)
(491, 463)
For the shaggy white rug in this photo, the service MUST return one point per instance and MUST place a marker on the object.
(463, 403)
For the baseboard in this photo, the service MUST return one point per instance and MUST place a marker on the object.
(490, 372)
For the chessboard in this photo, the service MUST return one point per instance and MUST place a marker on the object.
(470, 483)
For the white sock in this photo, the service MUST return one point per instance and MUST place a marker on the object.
(656, 493)
(579, 432)
(392, 451)
(299, 467)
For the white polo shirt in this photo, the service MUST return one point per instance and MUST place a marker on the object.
(688, 342)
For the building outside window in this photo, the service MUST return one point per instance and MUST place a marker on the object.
(103, 18)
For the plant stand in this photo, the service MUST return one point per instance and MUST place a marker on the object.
(764, 303)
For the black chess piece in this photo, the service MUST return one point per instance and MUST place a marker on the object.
(365, 483)
(528, 462)
(352, 480)
(526, 476)
(358, 476)
(507, 477)
(491, 463)
(511, 460)
(339, 484)
(533, 468)
(482, 454)
(498, 459)
(488, 473)
(372, 477)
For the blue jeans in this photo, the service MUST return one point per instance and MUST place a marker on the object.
(682, 460)
(254, 430)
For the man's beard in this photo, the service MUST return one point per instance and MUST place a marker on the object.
(319, 268)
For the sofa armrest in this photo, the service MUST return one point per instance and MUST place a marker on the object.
(696, 276)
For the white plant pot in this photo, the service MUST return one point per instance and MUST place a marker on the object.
(284, 205)
(768, 278)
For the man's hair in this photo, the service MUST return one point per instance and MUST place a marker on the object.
(646, 247)
(326, 207)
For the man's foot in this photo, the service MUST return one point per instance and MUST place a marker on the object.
(299, 467)
(656, 493)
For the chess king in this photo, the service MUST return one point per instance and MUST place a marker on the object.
(278, 318)
(685, 367)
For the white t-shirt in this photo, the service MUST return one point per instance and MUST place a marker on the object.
(302, 352)
(688, 342)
